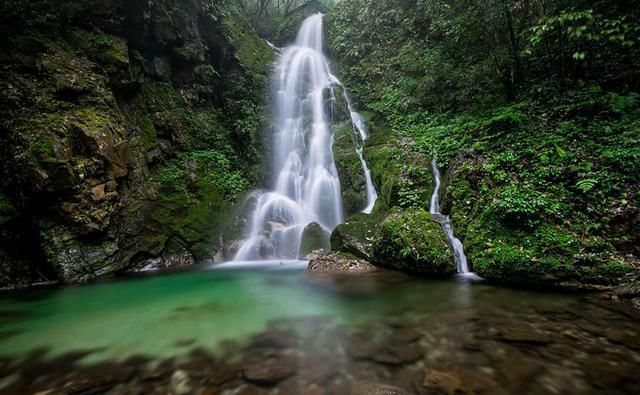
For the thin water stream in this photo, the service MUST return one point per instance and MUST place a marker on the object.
(447, 225)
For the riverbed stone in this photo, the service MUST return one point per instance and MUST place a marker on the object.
(180, 383)
(340, 262)
(271, 370)
(373, 388)
(457, 382)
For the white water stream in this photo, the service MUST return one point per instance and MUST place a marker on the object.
(447, 225)
(306, 187)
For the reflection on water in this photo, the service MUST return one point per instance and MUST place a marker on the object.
(288, 331)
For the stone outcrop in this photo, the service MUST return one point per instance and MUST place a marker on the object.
(128, 129)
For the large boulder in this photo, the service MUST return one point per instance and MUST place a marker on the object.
(355, 236)
(314, 238)
(412, 241)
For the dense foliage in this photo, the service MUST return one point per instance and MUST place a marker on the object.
(532, 108)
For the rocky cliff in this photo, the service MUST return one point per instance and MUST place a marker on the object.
(127, 129)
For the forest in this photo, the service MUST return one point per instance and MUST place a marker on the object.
(320, 197)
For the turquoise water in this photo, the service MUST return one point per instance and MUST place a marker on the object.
(461, 323)
(154, 315)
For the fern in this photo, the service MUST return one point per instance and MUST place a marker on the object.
(587, 184)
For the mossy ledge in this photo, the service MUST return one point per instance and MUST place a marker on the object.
(128, 131)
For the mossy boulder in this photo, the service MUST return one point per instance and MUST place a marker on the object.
(412, 241)
(356, 236)
(352, 181)
(314, 238)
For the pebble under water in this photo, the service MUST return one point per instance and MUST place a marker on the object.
(287, 331)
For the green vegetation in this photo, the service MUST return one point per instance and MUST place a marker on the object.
(139, 125)
(532, 112)
(413, 241)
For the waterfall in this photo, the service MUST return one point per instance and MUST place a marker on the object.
(306, 187)
(446, 224)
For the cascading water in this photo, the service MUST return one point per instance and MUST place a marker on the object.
(306, 187)
(360, 136)
(447, 225)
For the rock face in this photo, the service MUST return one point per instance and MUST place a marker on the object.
(123, 125)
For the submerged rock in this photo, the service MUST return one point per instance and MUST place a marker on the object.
(271, 370)
(372, 388)
(457, 382)
(180, 383)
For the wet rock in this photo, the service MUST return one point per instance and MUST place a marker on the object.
(352, 180)
(372, 388)
(607, 372)
(512, 332)
(89, 386)
(412, 241)
(385, 349)
(316, 370)
(355, 237)
(180, 383)
(250, 390)
(314, 238)
(456, 382)
(625, 337)
(271, 370)
(274, 339)
(339, 262)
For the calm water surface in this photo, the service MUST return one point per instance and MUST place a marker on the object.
(280, 330)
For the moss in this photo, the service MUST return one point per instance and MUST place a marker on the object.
(412, 241)
(148, 136)
(352, 180)
(251, 51)
(356, 235)
(41, 149)
(314, 238)
(7, 210)
(195, 194)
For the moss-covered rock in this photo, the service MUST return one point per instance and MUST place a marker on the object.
(314, 239)
(127, 133)
(356, 236)
(412, 241)
(352, 182)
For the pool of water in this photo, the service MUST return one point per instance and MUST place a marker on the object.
(278, 329)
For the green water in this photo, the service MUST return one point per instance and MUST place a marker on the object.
(155, 315)
(167, 316)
